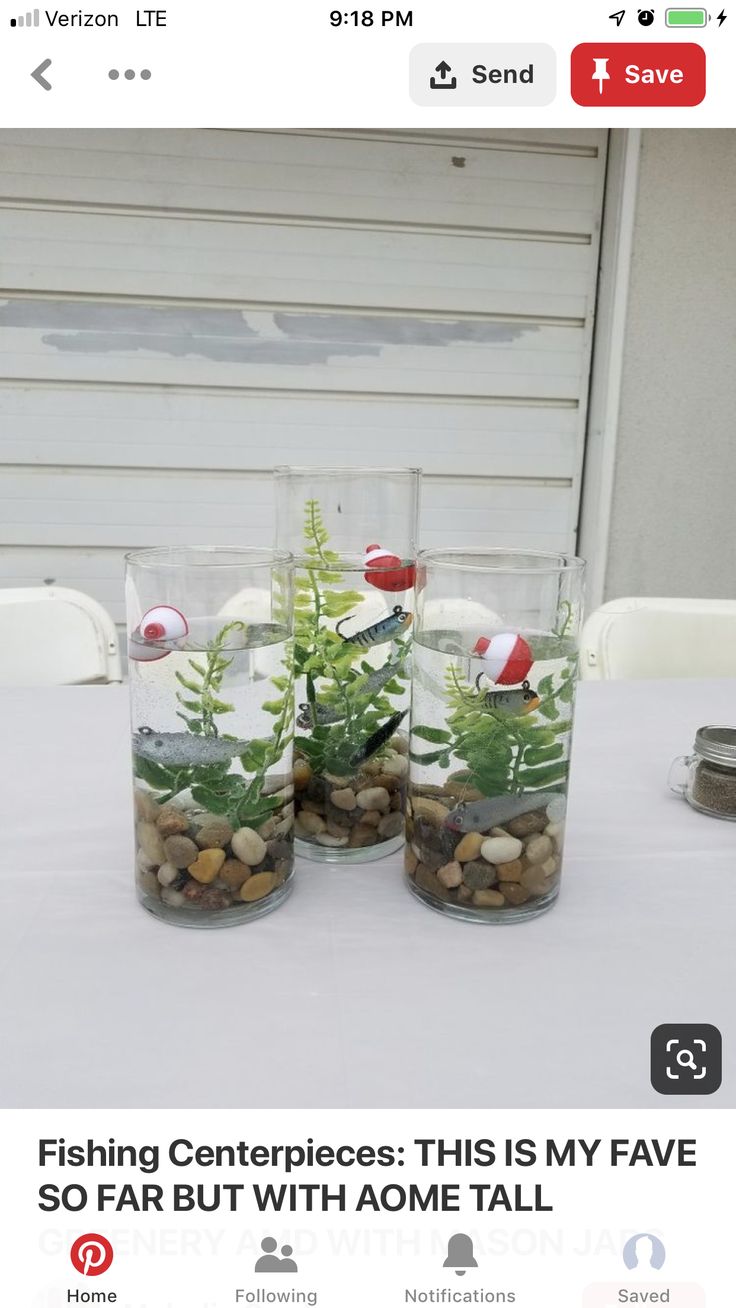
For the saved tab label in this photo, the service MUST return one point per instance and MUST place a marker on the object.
(637, 75)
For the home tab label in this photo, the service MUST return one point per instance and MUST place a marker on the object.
(636, 75)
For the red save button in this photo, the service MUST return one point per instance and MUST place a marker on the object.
(638, 75)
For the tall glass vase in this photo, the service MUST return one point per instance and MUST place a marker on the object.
(353, 535)
(211, 664)
(495, 666)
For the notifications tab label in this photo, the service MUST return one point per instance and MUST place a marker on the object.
(636, 75)
(518, 76)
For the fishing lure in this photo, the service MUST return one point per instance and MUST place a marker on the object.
(507, 659)
(482, 814)
(319, 715)
(182, 749)
(516, 702)
(379, 738)
(387, 629)
(163, 622)
(386, 571)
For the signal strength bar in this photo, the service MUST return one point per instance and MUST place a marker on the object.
(27, 20)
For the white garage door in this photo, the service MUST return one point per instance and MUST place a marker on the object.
(181, 310)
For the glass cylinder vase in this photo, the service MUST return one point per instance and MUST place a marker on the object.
(210, 656)
(495, 665)
(353, 535)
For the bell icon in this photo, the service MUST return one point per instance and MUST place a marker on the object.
(460, 1254)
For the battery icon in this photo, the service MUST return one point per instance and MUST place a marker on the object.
(687, 18)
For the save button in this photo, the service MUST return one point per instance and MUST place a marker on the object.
(637, 75)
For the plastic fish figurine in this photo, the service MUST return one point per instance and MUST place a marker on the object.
(183, 749)
(387, 629)
(514, 702)
(320, 715)
(386, 571)
(163, 622)
(379, 738)
(482, 814)
(507, 659)
(376, 680)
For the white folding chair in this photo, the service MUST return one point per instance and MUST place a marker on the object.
(51, 636)
(655, 637)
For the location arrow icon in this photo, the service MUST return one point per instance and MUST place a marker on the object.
(38, 74)
(618, 16)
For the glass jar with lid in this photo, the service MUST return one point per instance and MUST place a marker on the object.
(707, 777)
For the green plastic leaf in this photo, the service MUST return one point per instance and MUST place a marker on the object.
(155, 774)
(433, 734)
(425, 759)
(189, 685)
(549, 710)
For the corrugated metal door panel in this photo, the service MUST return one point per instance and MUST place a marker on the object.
(180, 310)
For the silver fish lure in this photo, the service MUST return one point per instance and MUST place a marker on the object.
(320, 715)
(378, 739)
(182, 749)
(377, 634)
(482, 814)
(515, 700)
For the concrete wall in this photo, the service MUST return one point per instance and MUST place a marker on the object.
(673, 526)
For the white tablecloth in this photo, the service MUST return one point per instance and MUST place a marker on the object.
(353, 994)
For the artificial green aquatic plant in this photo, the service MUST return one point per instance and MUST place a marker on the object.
(213, 786)
(503, 752)
(321, 656)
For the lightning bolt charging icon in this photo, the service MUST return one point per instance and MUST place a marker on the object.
(601, 73)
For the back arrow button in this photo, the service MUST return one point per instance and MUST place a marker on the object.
(38, 74)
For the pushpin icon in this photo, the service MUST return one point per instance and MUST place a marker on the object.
(601, 73)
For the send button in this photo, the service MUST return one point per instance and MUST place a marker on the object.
(515, 76)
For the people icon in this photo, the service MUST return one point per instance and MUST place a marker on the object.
(644, 1250)
(269, 1260)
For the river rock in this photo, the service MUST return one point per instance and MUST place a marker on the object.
(344, 799)
(146, 809)
(450, 874)
(248, 846)
(362, 836)
(501, 849)
(214, 898)
(411, 861)
(398, 766)
(556, 832)
(372, 819)
(431, 809)
(234, 873)
(479, 875)
(374, 798)
(311, 823)
(168, 874)
(149, 884)
(174, 898)
(527, 824)
(302, 774)
(215, 834)
(513, 893)
(400, 744)
(427, 880)
(469, 847)
(533, 880)
(391, 825)
(549, 866)
(331, 842)
(151, 844)
(511, 871)
(257, 886)
(172, 822)
(538, 849)
(180, 850)
(207, 865)
(488, 899)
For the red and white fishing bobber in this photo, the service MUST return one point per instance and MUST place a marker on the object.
(506, 658)
(386, 571)
(161, 623)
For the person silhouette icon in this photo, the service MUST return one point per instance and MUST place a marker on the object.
(644, 1250)
(287, 1262)
(269, 1260)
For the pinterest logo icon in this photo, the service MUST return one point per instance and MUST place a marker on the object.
(91, 1255)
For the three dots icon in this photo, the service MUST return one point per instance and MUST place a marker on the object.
(129, 74)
